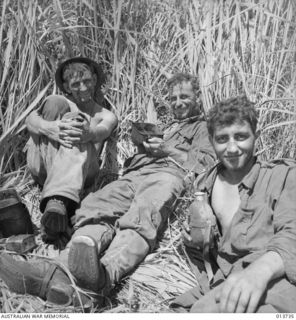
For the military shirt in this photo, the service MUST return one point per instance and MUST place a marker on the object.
(265, 220)
(188, 135)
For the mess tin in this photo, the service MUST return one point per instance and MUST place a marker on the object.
(142, 131)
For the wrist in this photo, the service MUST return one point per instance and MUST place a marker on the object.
(268, 267)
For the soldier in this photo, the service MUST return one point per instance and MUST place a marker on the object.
(253, 257)
(66, 136)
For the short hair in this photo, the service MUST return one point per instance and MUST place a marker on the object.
(230, 111)
(184, 77)
(76, 68)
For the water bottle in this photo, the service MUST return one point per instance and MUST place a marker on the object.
(202, 221)
(202, 225)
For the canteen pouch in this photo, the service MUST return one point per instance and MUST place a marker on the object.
(14, 215)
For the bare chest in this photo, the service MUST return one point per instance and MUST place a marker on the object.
(225, 202)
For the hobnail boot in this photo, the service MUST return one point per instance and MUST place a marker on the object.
(84, 264)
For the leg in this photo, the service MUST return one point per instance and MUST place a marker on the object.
(41, 278)
(107, 204)
(53, 108)
(153, 203)
(280, 297)
(139, 227)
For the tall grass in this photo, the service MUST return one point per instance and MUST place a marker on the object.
(233, 46)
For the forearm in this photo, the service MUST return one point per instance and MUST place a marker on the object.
(37, 125)
(269, 266)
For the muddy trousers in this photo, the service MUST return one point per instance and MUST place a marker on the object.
(137, 206)
(60, 170)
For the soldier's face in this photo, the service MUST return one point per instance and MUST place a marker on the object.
(234, 145)
(82, 86)
(183, 100)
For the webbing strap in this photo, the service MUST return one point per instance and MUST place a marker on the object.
(46, 280)
(206, 250)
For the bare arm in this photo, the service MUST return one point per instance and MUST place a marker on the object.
(99, 128)
(64, 131)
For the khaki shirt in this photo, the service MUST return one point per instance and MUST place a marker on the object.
(265, 220)
(190, 135)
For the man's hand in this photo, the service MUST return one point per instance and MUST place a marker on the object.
(241, 292)
(185, 234)
(68, 131)
(156, 147)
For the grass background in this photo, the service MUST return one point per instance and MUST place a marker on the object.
(235, 47)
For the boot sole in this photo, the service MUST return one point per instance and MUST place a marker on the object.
(84, 263)
(58, 296)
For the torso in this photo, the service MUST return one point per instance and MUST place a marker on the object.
(99, 114)
(225, 201)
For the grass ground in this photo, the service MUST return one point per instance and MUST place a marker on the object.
(163, 275)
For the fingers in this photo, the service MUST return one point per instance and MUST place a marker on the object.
(237, 297)
(232, 301)
(254, 301)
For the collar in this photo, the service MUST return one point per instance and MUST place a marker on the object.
(190, 119)
(248, 181)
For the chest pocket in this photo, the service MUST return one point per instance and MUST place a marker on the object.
(252, 227)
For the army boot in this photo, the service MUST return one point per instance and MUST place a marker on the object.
(127, 250)
(86, 246)
(40, 278)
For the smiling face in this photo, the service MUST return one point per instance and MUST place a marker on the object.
(183, 100)
(80, 82)
(234, 146)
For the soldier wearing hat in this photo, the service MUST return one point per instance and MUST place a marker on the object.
(66, 135)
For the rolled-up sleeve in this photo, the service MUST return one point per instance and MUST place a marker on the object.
(284, 221)
(201, 155)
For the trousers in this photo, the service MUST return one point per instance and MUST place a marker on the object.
(280, 296)
(141, 200)
(127, 215)
(61, 171)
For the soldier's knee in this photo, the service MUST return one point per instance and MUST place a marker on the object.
(54, 107)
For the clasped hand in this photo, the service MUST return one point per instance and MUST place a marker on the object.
(155, 147)
(70, 131)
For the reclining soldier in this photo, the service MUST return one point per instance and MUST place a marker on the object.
(66, 136)
(252, 265)
(117, 226)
